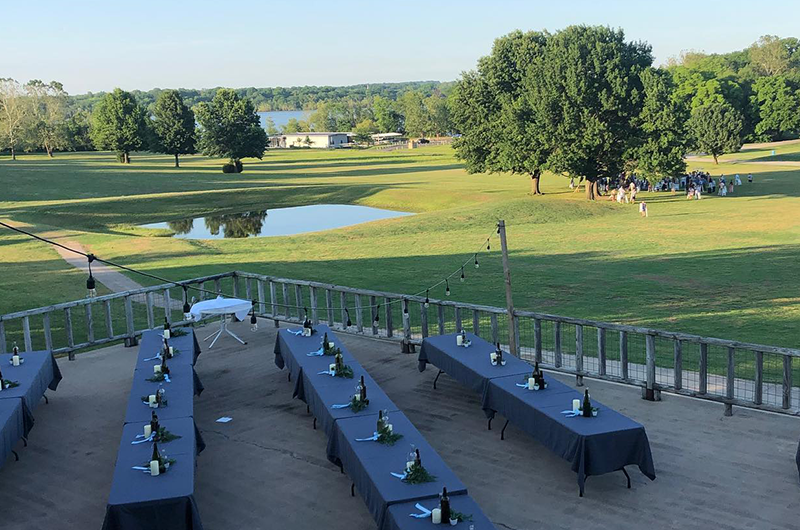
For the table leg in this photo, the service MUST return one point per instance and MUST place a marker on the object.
(222, 320)
(24, 442)
(219, 334)
(503, 432)
(315, 424)
(352, 489)
(437, 378)
(308, 409)
(16, 456)
(489, 427)
(290, 376)
(627, 477)
(46, 401)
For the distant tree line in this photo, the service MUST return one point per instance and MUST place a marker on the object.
(585, 103)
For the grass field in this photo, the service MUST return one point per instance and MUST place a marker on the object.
(725, 267)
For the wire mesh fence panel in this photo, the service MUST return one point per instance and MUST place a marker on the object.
(690, 372)
(717, 369)
(549, 342)
(613, 365)
(772, 392)
(665, 361)
(527, 339)
(637, 356)
(744, 375)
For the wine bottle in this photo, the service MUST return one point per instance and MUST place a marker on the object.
(380, 420)
(164, 367)
(444, 505)
(417, 459)
(338, 362)
(167, 333)
(325, 342)
(587, 405)
(363, 390)
(499, 354)
(15, 349)
(165, 349)
(154, 426)
(463, 338)
(2, 381)
(156, 455)
(537, 375)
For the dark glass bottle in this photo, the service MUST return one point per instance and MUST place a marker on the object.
(499, 354)
(2, 381)
(380, 420)
(444, 506)
(417, 459)
(165, 349)
(338, 362)
(538, 376)
(166, 328)
(156, 455)
(154, 426)
(325, 342)
(587, 405)
(363, 390)
(164, 367)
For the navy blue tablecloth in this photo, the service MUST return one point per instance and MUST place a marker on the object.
(13, 426)
(593, 446)
(370, 464)
(398, 516)
(139, 501)
(471, 366)
(152, 341)
(180, 394)
(38, 372)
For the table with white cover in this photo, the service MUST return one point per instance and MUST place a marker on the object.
(222, 307)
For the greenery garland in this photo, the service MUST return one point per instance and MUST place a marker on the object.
(178, 332)
(331, 351)
(387, 437)
(460, 516)
(164, 436)
(344, 371)
(418, 475)
(357, 405)
(157, 378)
(7, 383)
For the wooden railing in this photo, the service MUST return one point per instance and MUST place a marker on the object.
(731, 372)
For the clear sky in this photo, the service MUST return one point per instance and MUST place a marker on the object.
(142, 44)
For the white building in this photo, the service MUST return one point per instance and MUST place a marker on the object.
(385, 138)
(318, 140)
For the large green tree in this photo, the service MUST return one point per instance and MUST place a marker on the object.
(174, 125)
(230, 128)
(776, 102)
(660, 139)
(716, 129)
(490, 108)
(46, 123)
(119, 124)
(585, 92)
(387, 118)
(13, 112)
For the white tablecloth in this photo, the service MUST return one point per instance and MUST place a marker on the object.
(222, 306)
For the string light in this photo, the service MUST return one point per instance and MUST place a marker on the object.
(377, 316)
(476, 261)
(253, 319)
(187, 310)
(427, 298)
(447, 289)
(349, 322)
(462, 274)
(405, 306)
(488, 245)
(91, 285)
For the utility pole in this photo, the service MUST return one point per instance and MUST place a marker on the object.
(512, 328)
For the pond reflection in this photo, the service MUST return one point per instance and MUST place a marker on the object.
(275, 222)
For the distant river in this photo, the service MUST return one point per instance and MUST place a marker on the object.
(282, 117)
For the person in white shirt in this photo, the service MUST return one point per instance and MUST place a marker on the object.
(738, 180)
(643, 209)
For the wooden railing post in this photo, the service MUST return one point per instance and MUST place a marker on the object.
(26, 333)
(440, 318)
(423, 318)
(537, 339)
(495, 329)
(457, 314)
(285, 292)
(758, 394)
(329, 306)
(677, 361)
(70, 336)
(109, 319)
(476, 322)
(298, 296)
(787, 382)
(273, 299)
(557, 343)
(373, 312)
(167, 306)
(623, 354)
(359, 316)
(235, 285)
(262, 307)
(149, 301)
(89, 323)
(48, 333)
(601, 351)
(313, 300)
(248, 289)
(406, 328)
(388, 311)
(703, 387)
(730, 380)
(342, 307)
(578, 355)
(2, 337)
(650, 372)
(130, 328)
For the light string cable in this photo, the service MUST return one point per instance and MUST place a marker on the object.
(185, 285)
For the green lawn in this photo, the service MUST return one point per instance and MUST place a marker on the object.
(725, 267)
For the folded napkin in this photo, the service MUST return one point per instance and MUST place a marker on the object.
(340, 406)
(326, 372)
(521, 385)
(398, 475)
(141, 468)
(297, 332)
(570, 413)
(153, 358)
(166, 378)
(149, 438)
(425, 512)
(316, 353)
(372, 438)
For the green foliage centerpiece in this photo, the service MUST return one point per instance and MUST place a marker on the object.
(7, 383)
(178, 332)
(340, 369)
(329, 348)
(385, 434)
(416, 473)
(359, 400)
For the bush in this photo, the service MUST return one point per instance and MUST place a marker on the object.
(228, 168)
(238, 166)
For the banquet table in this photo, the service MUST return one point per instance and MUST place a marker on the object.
(291, 352)
(14, 426)
(398, 516)
(140, 501)
(38, 372)
(152, 341)
(369, 464)
(470, 366)
(179, 392)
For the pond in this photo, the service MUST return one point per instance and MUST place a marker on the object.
(275, 222)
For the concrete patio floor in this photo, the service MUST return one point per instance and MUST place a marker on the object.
(267, 468)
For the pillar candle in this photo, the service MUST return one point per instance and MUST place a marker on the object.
(531, 383)
(357, 397)
(156, 368)
(154, 471)
(166, 333)
(409, 464)
(459, 340)
(171, 350)
(148, 430)
(332, 367)
(576, 405)
(390, 427)
(152, 400)
(436, 516)
(493, 356)
(15, 360)
(331, 345)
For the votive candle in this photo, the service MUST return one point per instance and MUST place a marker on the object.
(148, 430)
(154, 471)
(576, 405)
(156, 368)
(459, 340)
(436, 516)
(531, 383)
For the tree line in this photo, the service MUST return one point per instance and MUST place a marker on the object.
(583, 102)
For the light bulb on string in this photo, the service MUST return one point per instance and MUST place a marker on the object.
(253, 318)
(462, 274)
(377, 318)
(488, 245)
(405, 306)
(349, 322)
(91, 285)
(447, 288)
(427, 299)
(187, 309)
(476, 261)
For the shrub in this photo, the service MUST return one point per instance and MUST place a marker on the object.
(238, 166)
(228, 168)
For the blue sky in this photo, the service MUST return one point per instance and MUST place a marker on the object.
(98, 45)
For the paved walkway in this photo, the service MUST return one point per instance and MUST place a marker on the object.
(267, 468)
